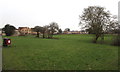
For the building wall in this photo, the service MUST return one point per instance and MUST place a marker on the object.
(74, 32)
(17, 33)
(25, 30)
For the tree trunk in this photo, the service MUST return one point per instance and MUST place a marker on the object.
(51, 34)
(37, 34)
(43, 35)
(48, 35)
(102, 38)
(96, 38)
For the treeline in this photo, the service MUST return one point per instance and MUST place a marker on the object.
(47, 31)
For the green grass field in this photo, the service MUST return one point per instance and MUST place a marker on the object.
(69, 52)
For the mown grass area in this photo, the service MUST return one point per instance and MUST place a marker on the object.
(69, 52)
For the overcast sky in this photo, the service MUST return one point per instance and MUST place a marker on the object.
(31, 13)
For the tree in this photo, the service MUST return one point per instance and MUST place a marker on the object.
(67, 29)
(44, 30)
(53, 27)
(95, 19)
(113, 25)
(89, 30)
(37, 29)
(9, 29)
(60, 31)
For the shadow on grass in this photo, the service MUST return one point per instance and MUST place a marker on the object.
(101, 42)
(48, 38)
(6, 46)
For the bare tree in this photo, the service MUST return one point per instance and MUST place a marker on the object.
(53, 27)
(37, 29)
(44, 30)
(60, 31)
(67, 29)
(96, 19)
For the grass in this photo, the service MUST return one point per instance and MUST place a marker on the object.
(69, 52)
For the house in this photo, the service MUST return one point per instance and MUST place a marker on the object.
(17, 33)
(75, 32)
(2, 32)
(24, 30)
(71, 32)
(33, 32)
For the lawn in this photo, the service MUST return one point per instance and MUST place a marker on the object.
(69, 52)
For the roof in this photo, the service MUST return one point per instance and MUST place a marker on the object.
(22, 27)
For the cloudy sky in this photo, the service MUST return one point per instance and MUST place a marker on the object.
(30, 13)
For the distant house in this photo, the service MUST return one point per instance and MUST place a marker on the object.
(33, 32)
(24, 30)
(75, 32)
(2, 32)
(65, 32)
(17, 33)
(71, 32)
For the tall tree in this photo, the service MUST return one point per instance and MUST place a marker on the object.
(96, 19)
(37, 29)
(53, 27)
(9, 29)
(60, 31)
(44, 30)
(67, 29)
